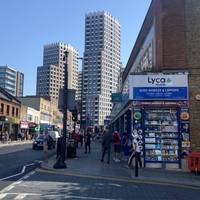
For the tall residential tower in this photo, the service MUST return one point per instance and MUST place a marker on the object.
(12, 81)
(50, 76)
(101, 66)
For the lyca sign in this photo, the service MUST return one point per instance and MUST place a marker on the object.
(159, 81)
(158, 87)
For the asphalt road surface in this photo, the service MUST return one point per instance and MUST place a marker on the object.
(41, 184)
(13, 158)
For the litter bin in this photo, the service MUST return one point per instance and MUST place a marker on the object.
(71, 149)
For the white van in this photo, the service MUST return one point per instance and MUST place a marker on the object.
(54, 134)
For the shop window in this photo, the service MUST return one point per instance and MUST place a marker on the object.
(8, 110)
(2, 108)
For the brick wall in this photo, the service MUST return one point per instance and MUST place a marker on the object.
(192, 13)
(170, 34)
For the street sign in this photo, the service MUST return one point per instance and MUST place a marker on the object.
(70, 99)
(116, 97)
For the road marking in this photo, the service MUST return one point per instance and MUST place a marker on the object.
(11, 186)
(20, 196)
(23, 195)
(3, 195)
(139, 181)
(22, 172)
(27, 176)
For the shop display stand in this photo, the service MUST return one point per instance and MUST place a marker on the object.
(161, 136)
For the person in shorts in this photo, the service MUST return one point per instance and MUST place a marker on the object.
(117, 146)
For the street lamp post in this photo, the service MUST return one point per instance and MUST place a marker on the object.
(81, 107)
(60, 163)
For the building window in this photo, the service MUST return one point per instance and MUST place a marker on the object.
(8, 110)
(17, 112)
(29, 117)
(2, 108)
(13, 111)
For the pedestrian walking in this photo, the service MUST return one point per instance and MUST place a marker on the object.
(45, 145)
(7, 136)
(87, 141)
(106, 145)
(81, 139)
(136, 153)
(1, 136)
(132, 156)
(117, 146)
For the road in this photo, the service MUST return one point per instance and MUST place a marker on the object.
(14, 157)
(43, 184)
(79, 181)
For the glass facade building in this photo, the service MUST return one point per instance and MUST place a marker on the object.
(11, 80)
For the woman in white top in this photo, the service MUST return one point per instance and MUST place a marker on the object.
(136, 153)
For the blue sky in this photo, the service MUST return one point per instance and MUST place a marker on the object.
(26, 25)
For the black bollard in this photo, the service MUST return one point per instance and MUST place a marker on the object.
(60, 164)
(59, 145)
(136, 164)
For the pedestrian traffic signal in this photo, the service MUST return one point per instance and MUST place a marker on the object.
(74, 115)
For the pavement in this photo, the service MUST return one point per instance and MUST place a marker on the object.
(12, 143)
(89, 166)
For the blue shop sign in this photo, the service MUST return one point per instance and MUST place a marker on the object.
(160, 93)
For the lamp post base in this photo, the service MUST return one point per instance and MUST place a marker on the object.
(60, 164)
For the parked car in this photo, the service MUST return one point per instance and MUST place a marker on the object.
(38, 142)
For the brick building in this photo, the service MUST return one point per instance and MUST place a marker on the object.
(9, 115)
(167, 43)
(175, 47)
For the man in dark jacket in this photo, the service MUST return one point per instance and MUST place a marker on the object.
(87, 141)
(106, 145)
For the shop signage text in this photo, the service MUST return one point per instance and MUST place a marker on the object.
(158, 87)
(159, 81)
(24, 125)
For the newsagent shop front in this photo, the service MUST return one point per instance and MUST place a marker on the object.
(161, 117)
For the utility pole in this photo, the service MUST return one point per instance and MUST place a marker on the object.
(60, 163)
(81, 107)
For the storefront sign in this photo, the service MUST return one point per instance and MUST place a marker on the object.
(116, 97)
(32, 125)
(197, 97)
(158, 87)
(24, 125)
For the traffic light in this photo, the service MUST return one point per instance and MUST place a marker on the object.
(74, 115)
(3, 118)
